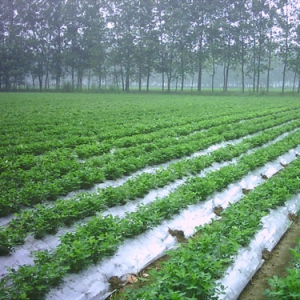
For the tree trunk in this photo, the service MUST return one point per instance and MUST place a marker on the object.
(140, 83)
(100, 76)
(33, 81)
(182, 71)
(283, 78)
(58, 61)
(224, 79)
(79, 80)
(200, 75)
(47, 80)
(40, 82)
(294, 81)
(243, 78)
(259, 63)
(57, 83)
(169, 83)
(116, 79)
(89, 79)
(243, 66)
(163, 72)
(148, 80)
(226, 74)
(127, 83)
(99, 81)
(192, 85)
(73, 77)
(122, 79)
(254, 66)
(105, 78)
(140, 76)
(213, 75)
(127, 78)
(268, 73)
(200, 61)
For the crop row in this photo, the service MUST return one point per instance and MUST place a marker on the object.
(66, 137)
(96, 147)
(287, 287)
(47, 219)
(51, 179)
(102, 235)
(57, 134)
(164, 137)
(206, 256)
(189, 139)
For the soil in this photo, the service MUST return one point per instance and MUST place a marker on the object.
(276, 264)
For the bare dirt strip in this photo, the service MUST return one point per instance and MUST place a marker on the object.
(275, 265)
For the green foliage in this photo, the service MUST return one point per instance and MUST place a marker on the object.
(42, 163)
(286, 287)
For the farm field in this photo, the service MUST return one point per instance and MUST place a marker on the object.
(95, 187)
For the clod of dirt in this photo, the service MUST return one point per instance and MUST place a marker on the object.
(218, 210)
(263, 176)
(178, 234)
(283, 165)
(131, 278)
(292, 217)
(245, 191)
(266, 254)
(117, 283)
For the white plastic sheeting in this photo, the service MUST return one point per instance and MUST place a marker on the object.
(186, 221)
(153, 169)
(118, 182)
(249, 259)
(137, 253)
(22, 254)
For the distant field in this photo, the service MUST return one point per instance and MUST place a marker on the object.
(56, 144)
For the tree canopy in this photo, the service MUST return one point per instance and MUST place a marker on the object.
(115, 43)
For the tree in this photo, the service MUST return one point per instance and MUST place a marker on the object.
(13, 45)
(75, 48)
(54, 14)
(271, 44)
(285, 22)
(202, 12)
(127, 41)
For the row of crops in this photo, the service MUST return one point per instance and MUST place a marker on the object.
(66, 163)
(282, 288)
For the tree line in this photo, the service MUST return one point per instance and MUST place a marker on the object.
(119, 42)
